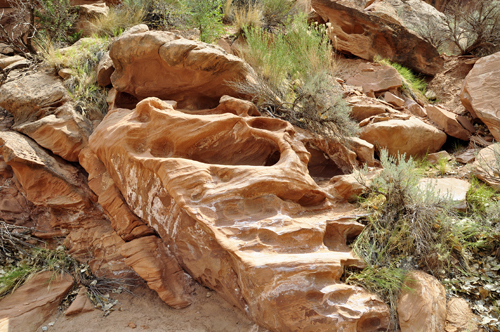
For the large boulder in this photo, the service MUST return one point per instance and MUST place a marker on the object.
(367, 35)
(480, 92)
(228, 196)
(487, 166)
(375, 78)
(422, 304)
(447, 121)
(162, 64)
(413, 137)
(34, 302)
(44, 111)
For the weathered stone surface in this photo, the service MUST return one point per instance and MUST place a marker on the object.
(459, 317)
(151, 259)
(433, 158)
(7, 61)
(367, 35)
(364, 150)
(348, 186)
(161, 64)
(62, 204)
(456, 189)
(413, 137)
(487, 166)
(466, 157)
(375, 78)
(422, 304)
(480, 92)
(88, 12)
(393, 99)
(81, 303)
(415, 108)
(232, 199)
(42, 110)
(104, 71)
(447, 121)
(34, 302)
(364, 107)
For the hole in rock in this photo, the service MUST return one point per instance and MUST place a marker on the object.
(230, 150)
(320, 165)
(125, 100)
(161, 148)
(267, 124)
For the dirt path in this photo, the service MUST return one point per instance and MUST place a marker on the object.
(149, 313)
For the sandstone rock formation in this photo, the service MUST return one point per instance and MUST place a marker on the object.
(232, 199)
(80, 304)
(43, 110)
(375, 78)
(480, 92)
(367, 35)
(459, 317)
(59, 203)
(413, 137)
(456, 189)
(447, 121)
(487, 166)
(32, 303)
(422, 304)
(164, 65)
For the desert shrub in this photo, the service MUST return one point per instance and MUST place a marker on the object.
(247, 17)
(294, 78)
(56, 19)
(269, 13)
(22, 21)
(475, 26)
(82, 59)
(119, 18)
(206, 16)
(480, 196)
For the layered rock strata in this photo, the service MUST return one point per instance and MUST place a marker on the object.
(231, 197)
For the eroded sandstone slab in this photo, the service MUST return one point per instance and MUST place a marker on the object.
(231, 197)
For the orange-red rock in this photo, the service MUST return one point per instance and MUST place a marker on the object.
(43, 110)
(375, 78)
(34, 302)
(366, 35)
(486, 166)
(232, 199)
(162, 64)
(480, 92)
(447, 121)
(459, 317)
(80, 304)
(151, 259)
(422, 304)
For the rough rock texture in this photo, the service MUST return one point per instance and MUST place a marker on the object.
(81, 303)
(151, 259)
(61, 204)
(375, 78)
(164, 65)
(7, 61)
(480, 92)
(42, 110)
(393, 99)
(456, 189)
(447, 121)
(415, 108)
(367, 35)
(34, 302)
(460, 317)
(423, 308)
(487, 166)
(87, 13)
(434, 158)
(364, 150)
(364, 107)
(413, 137)
(348, 186)
(104, 71)
(232, 199)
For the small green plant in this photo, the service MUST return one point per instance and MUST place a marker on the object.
(56, 19)
(443, 166)
(411, 83)
(294, 78)
(119, 18)
(207, 17)
(480, 196)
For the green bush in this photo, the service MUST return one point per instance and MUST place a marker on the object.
(294, 78)
(206, 16)
(56, 19)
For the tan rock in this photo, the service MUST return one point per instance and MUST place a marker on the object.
(487, 166)
(364, 150)
(466, 124)
(466, 157)
(151, 259)
(447, 121)
(66, 73)
(375, 77)
(349, 186)
(393, 99)
(6, 49)
(42, 110)
(433, 158)
(415, 108)
(163, 65)
(422, 304)
(88, 12)
(7, 61)
(367, 35)
(459, 317)
(34, 302)
(81, 304)
(104, 71)
(413, 137)
(455, 189)
(227, 196)
(365, 107)
(480, 94)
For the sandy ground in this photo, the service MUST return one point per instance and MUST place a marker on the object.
(148, 313)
